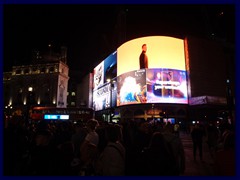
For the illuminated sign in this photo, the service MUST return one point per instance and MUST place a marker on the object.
(102, 97)
(148, 70)
(56, 117)
(161, 52)
(105, 71)
(132, 88)
(165, 78)
(166, 86)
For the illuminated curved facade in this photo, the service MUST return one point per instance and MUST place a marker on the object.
(163, 81)
(170, 84)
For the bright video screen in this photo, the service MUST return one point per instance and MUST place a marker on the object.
(102, 98)
(163, 59)
(131, 88)
(107, 69)
(159, 52)
(147, 70)
(169, 120)
(56, 117)
(105, 97)
(166, 86)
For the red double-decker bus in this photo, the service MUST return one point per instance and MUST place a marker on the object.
(54, 113)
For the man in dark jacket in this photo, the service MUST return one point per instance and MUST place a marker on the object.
(197, 138)
(143, 59)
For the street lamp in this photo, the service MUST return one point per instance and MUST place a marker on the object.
(111, 81)
(29, 102)
(8, 110)
(153, 114)
(30, 89)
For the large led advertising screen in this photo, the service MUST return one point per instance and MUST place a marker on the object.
(161, 52)
(102, 98)
(105, 97)
(148, 70)
(131, 88)
(163, 59)
(107, 69)
(102, 91)
(166, 86)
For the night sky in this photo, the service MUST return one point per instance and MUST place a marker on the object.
(92, 32)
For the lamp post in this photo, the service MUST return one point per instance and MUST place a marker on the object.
(111, 108)
(153, 114)
(29, 102)
(8, 110)
(229, 101)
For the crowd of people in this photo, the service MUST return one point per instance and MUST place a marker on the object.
(65, 148)
(221, 146)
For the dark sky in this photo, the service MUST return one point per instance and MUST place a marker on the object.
(92, 32)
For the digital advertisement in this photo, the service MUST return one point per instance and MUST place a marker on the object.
(166, 86)
(155, 51)
(148, 70)
(106, 70)
(131, 88)
(102, 98)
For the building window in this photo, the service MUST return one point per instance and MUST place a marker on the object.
(43, 70)
(51, 69)
(26, 71)
(72, 103)
(18, 71)
(73, 94)
(34, 70)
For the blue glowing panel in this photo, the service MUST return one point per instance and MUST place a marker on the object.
(56, 117)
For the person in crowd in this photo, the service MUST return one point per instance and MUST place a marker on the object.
(78, 138)
(212, 138)
(156, 159)
(112, 160)
(141, 139)
(225, 163)
(177, 149)
(197, 139)
(65, 156)
(176, 129)
(89, 148)
(43, 155)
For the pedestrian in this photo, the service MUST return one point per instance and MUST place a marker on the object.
(156, 159)
(176, 128)
(212, 138)
(112, 160)
(225, 161)
(197, 139)
(177, 149)
(89, 148)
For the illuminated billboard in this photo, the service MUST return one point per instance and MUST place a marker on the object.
(163, 59)
(161, 51)
(107, 69)
(131, 87)
(105, 97)
(102, 98)
(148, 70)
(103, 93)
(56, 117)
(166, 86)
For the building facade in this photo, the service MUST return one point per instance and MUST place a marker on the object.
(210, 77)
(43, 84)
